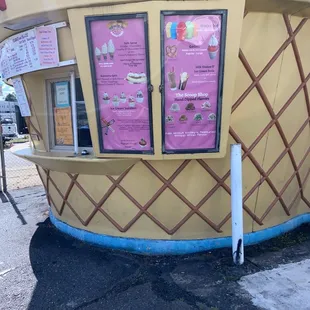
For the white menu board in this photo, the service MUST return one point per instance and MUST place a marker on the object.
(21, 97)
(29, 51)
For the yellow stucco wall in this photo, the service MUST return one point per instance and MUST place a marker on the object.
(190, 199)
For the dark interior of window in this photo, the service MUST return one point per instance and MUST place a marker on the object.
(83, 126)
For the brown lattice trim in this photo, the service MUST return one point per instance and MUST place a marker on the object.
(269, 64)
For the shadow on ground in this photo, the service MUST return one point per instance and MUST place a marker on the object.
(74, 275)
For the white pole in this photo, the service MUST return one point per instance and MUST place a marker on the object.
(236, 203)
(74, 113)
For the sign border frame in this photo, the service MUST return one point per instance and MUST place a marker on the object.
(144, 16)
(223, 13)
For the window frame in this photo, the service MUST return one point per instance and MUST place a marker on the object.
(53, 147)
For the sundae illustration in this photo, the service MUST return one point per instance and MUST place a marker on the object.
(190, 107)
(136, 78)
(175, 107)
(183, 80)
(122, 97)
(183, 118)
(117, 27)
(111, 49)
(171, 79)
(139, 96)
(106, 98)
(169, 119)
(98, 53)
(104, 51)
(131, 101)
(142, 143)
(213, 47)
(198, 117)
(171, 51)
(206, 105)
(115, 101)
(212, 117)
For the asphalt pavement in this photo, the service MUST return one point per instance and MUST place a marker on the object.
(41, 268)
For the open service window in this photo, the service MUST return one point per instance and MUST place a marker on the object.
(61, 134)
(160, 76)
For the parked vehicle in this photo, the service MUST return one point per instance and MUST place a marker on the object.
(9, 130)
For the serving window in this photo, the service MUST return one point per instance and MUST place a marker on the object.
(61, 117)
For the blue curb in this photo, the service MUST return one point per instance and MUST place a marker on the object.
(174, 247)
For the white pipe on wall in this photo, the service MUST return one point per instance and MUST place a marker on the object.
(74, 113)
(236, 203)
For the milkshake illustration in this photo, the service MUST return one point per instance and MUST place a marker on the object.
(115, 101)
(139, 97)
(171, 79)
(168, 30)
(189, 30)
(104, 51)
(106, 98)
(131, 101)
(111, 49)
(213, 47)
(183, 80)
(123, 97)
(98, 53)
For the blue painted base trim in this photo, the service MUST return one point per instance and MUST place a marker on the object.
(174, 247)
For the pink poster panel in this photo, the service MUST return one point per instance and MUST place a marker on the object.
(192, 50)
(121, 82)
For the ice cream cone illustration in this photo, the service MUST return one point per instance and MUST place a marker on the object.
(104, 51)
(111, 49)
(183, 80)
(98, 53)
(213, 47)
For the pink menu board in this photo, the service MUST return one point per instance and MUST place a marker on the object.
(118, 49)
(193, 46)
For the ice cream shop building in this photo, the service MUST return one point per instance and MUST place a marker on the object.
(132, 107)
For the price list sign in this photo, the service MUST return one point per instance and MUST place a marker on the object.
(29, 51)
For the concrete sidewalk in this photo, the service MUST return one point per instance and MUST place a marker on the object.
(40, 268)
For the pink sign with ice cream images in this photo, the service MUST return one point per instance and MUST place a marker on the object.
(120, 73)
(192, 81)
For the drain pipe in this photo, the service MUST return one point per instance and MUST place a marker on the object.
(236, 203)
